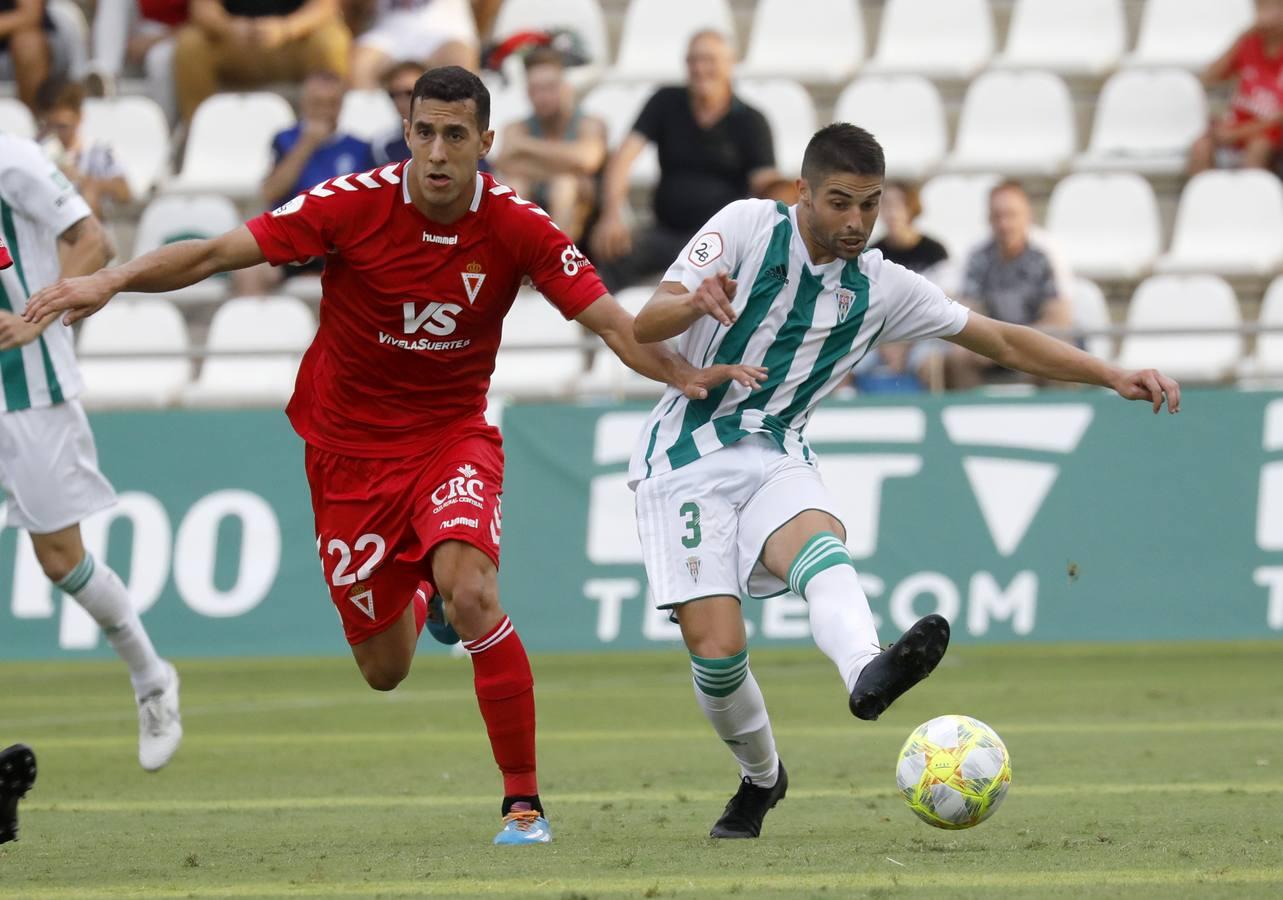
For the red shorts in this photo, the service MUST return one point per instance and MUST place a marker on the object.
(378, 520)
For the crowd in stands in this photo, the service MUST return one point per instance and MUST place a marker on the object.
(712, 145)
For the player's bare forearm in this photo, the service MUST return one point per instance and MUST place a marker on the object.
(84, 248)
(666, 315)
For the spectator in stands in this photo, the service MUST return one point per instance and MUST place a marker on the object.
(553, 157)
(1013, 277)
(140, 34)
(1251, 131)
(399, 82)
(24, 45)
(888, 368)
(92, 168)
(247, 43)
(713, 149)
(431, 32)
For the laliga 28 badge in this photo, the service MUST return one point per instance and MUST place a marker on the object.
(5, 259)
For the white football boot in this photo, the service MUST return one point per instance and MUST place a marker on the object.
(160, 728)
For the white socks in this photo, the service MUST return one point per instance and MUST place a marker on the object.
(100, 591)
(841, 622)
(732, 701)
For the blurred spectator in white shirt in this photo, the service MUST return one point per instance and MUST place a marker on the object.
(91, 167)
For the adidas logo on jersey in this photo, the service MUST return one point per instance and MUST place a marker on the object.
(778, 272)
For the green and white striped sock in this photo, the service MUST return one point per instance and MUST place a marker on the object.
(841, 621)
(733, 703)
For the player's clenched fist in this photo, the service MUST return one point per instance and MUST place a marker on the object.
(713, 297)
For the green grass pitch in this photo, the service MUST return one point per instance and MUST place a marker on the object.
(1138, 771)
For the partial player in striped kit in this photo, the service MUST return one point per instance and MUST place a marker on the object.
(48, 463)
(729, 497)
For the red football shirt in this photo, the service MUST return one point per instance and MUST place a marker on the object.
(412, 310)
(1259, 92)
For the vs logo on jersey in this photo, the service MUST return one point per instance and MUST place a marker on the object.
(434, 318)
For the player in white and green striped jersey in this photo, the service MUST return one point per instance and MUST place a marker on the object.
(48, 463)
(729, 498)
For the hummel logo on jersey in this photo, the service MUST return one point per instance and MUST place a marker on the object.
(448, 239)
(778, 272)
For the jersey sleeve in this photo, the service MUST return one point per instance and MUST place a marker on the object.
(297, 231)
(36, 187)
(559, 271)
(717, 247)
(916, 308)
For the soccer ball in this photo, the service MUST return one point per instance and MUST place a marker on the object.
(953, 771)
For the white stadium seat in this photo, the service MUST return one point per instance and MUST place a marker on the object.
(955, 211)
(935, 38)
(1268, 358)
(1019, 123)
(584, 17)
(1107, 224)
(134, 326)
(1188, 33)
(368, 114)
(229, 145)
(778, 48)
(180, 217)
(258, 324)
(136, 130)
(1228, 222)
(15, 118)
(1085, 37)
(906, 115)
(533, 322)
(1145, 121)
(652, 45)
(618, 105)
(1091, 311)
(1192, 301)
(791, 113)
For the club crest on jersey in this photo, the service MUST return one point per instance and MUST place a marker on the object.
(472, 280)
(845, 298)
(362, 597)
(692, 566)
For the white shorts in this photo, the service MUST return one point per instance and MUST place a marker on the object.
(416, 34)
(703, 527)
(49, 469)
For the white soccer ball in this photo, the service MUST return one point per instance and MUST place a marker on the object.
(954, 771)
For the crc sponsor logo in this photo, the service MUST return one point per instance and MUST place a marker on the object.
(463, 488)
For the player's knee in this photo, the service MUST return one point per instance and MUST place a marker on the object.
(715, 646)
(472, 594)
(383, 675)
(56, 560)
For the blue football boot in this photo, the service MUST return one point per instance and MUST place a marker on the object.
(524, 825)
(440, 629)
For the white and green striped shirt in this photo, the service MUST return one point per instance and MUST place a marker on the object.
(808, 324)
(37, 204)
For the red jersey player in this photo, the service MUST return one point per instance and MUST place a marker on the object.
(423, 260)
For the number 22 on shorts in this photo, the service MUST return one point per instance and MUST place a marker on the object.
(340, 575)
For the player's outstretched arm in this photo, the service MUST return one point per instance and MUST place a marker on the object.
(166, 268)
(656, 361)
(1028, 350)
(673, 309)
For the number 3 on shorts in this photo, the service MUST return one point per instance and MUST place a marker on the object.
(690, 517)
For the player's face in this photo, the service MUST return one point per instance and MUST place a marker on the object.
(446, 145)
(837, 216)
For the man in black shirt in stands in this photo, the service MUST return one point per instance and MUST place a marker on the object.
(713, 149)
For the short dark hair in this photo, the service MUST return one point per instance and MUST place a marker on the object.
(405, 65)
(59, 93)
(544, 56)
(454, 84)
(842, 147)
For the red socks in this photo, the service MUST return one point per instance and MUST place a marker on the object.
(420, 602)
(506, 694)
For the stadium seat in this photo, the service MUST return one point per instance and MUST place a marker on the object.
(778, 48)
(1188, 33)
(618, 105)
(789, 108)
(368, 114)
(584, 17)
(1018, 123)
(955, 211)
(652, 45)
(1107, 225)
(935, 38)
(1145, 122)
(1228, 222)
(1085, 37)
(15, 118)
(257, 324)
(1192, 301)
(906, 115)
(172, 218)
(1092, 311)
(136, 130)
(533, 322)
(229, 145)
(1267, 361)
(509, 102)
(134, 326)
